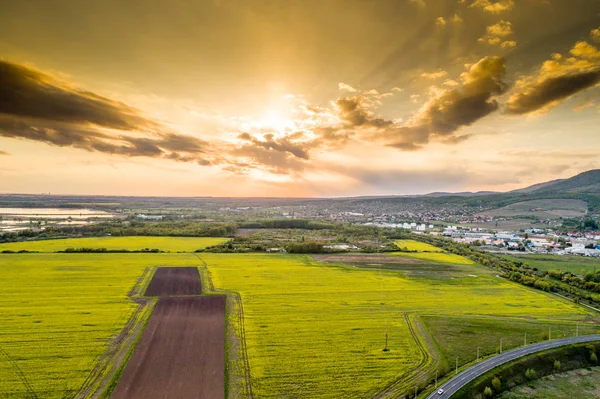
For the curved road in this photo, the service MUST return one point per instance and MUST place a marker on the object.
(453, 385)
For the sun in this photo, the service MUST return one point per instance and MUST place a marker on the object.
(276, 120)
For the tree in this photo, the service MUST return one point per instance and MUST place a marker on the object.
(530, 374)
(556, 365)
(593, 357)
(496, 384)
(487, 392)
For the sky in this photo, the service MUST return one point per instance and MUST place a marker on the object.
(298, 98)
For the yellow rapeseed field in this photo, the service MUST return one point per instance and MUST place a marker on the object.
(312, 330)
(319, 331)
(429, 253)
(167, 244)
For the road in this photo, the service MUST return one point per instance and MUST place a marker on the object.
(463, 378)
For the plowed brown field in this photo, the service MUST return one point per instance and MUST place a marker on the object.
(168, 281)
(182, 351)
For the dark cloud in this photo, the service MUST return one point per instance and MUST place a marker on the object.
(453, 108)
(354, 115)
(35, 106)
(4, 153)
(279, 155)
(557, 79)
(551, 90)
(283, 144)
(30, 93)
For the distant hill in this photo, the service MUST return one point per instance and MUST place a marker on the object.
(584, 182)
(461, 194)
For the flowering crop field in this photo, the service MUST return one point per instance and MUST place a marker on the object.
(412, 245)
(167, 244)
(429, 253)
(319, 331)
(60, 312)
(310, 329)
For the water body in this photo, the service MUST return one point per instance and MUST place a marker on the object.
(54, 213)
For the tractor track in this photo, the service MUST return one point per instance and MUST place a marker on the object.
(422, 370)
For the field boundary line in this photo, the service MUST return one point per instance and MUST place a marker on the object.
(110, 362)
(237, 300)
(428, 362)
(21, 374)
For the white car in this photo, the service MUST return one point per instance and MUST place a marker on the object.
(440, 391)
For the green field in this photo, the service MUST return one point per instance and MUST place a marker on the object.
(429, 253)
(543, 209)
(311, 329)
(575, 384)
(575, 264)
(58, 313)
(167, 244)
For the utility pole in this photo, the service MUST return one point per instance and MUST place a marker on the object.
(549, 333)
(386, 342)
(500, 345)
(525, 340)
(456, 372)
(577, 330)
(478, 354)
(436, 373)
(415, 391)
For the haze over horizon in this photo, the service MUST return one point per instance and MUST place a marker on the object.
(296, 98)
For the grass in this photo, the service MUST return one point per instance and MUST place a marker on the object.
(460, 336)
(58, 314)
(582, 383)
(575, 264)
(429, 253)
(311, 329)
(167, 244)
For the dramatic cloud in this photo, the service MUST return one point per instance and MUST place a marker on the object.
(30, 93)
(494, 6)
(595, 34)
(496, 35)
(4, 153)
(353, 114)
(440, 21)
(276, 155)
(557, 80)
(453, 108)
(36, 106)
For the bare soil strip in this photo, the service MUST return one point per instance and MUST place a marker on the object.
(181, 353)
(172, 281)
(366, 258)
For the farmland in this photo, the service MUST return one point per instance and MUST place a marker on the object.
(574, 264)
(311, 329)
(349, 310)
(167, 244)
(412, 245)
(428, 253)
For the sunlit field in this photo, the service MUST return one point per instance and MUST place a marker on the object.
(412, 245)
(58, 313)
(319, 331)
(311, 329)
(428, 252)
(167, 244)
